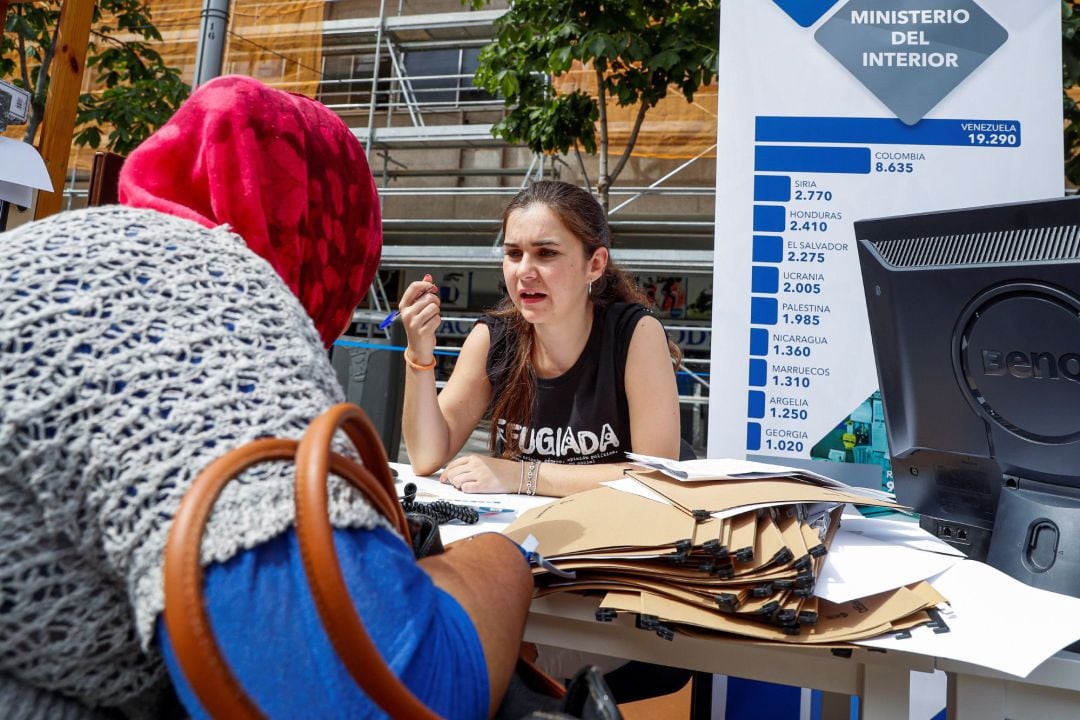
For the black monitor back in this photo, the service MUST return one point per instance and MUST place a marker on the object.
(975, 321)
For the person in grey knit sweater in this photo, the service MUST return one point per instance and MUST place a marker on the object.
(138, 343)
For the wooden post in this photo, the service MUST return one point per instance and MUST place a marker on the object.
(65, 83)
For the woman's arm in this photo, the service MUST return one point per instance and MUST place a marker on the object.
(436, 425)
(651, 392)
(482, 474)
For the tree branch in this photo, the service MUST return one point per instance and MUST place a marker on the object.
(603, 182)
(46, 62)
(642, 109)
(23, 70)
(37, 102)
(581, 164)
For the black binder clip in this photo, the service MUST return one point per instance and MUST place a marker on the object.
(902, 634)
(762, 591)
(665, 633)
(807, 617)
(728, 602)
(818, 551)
(841, 652)
(745, 554)
(937, 623)
(647, 622)
(714, 547)
(804, 563)
(606, 614)
(786, 617)
(701, 515)
(724, 571)
(682, 551)
(784, 555)
(769, 608)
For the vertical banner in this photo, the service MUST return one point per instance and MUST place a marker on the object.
(834, 111)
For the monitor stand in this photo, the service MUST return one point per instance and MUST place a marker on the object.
(1036, 537)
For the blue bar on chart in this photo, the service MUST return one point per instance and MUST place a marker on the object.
(888, 131)
(768, 249)
(753, 436)
(798, 158)
(755, 404)
(772, 188)
(765, 279)
(759, 341)
(769, 218)
(759, 371)
(763, 311)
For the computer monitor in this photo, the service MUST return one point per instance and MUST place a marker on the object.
(975, 321)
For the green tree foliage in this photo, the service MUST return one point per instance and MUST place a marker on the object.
(139, 91)
(1070, 67)
(638, 49)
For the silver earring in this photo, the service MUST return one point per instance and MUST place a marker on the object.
(588, 288)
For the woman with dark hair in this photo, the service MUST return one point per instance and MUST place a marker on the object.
(572, 366)
(139, 342)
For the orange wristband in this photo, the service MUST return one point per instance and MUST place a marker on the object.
(417, 366)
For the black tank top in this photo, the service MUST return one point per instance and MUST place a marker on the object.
(582, 416)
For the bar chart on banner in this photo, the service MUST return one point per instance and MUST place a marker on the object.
(807, 346)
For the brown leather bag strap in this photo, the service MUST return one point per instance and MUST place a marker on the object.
(339, 618)
(188, 624)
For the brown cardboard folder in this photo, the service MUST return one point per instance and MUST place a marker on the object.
(677, 568)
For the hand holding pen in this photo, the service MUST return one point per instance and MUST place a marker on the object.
(419, 313)
(389, 319)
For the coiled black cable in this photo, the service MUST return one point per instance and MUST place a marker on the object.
(443, 511)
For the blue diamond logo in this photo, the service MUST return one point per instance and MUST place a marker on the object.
(805, 12)
(911, 53)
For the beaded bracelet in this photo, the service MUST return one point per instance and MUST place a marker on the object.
(529, 480)
(415, 365)
(536, 484)
(521, 477)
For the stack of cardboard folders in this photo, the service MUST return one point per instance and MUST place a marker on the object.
(737, 554)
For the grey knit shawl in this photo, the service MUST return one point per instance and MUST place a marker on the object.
(134, 348)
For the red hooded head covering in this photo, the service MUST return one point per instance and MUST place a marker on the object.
(281, 170)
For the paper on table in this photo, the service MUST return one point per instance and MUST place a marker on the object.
(857, 566)
(707, 469)
(900, 532)
(994, 621)
(629, 485)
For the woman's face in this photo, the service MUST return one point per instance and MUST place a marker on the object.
(545, 267)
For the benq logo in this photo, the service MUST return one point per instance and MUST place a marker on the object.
(1035, 365)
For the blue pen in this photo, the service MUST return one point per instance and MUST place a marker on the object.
(389, 319)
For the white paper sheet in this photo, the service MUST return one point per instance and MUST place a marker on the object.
(994, 621)
(730, 468)
(632, 486)
(859, 566)
(902, 532)
(429, 489)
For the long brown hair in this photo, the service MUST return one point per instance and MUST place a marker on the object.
(584, 217)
